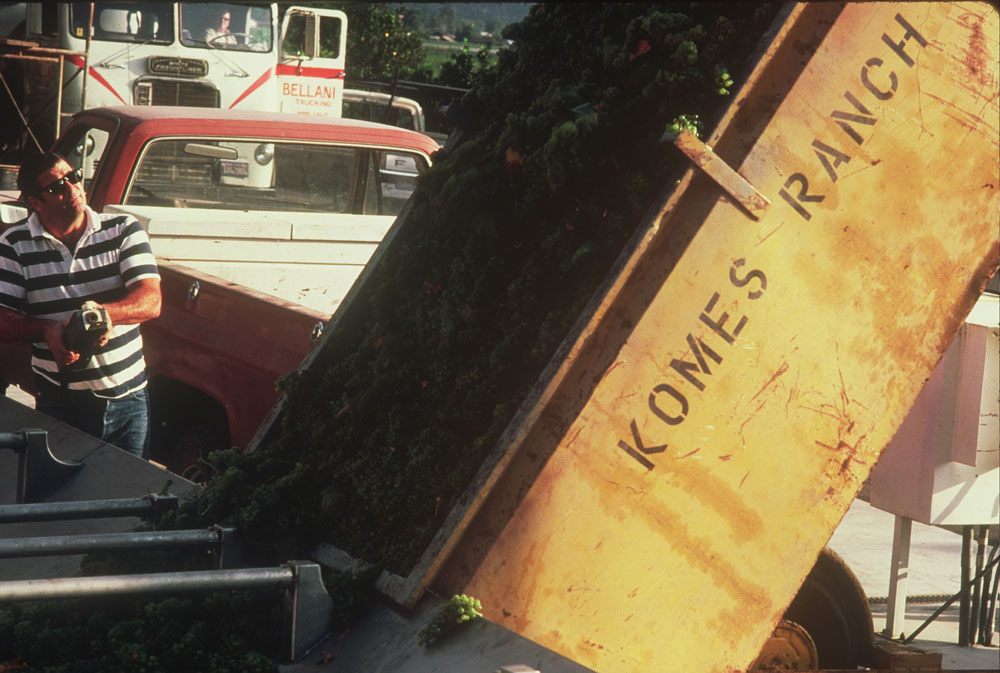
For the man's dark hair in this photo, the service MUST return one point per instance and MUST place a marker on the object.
(32, 167)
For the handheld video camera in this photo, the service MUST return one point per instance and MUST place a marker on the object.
(85, 328)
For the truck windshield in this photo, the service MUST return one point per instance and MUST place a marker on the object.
(125, 21)
(226, 25)
(274, 176)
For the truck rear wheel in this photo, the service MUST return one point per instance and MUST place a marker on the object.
(832, 607)
(185, 426)
(188, 457)
(828, 624)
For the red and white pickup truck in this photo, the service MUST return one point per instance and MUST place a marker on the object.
(261, 222)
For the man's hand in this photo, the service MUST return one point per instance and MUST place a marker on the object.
(53, 332)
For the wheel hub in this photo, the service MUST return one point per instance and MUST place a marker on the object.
(790, 648)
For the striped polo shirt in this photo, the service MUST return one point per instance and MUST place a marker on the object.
(42, 278)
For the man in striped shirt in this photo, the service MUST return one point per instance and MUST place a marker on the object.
(64, 255)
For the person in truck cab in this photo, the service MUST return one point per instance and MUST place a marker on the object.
(77, 284)
(220, 35)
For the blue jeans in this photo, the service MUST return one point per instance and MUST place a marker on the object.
(123, 422)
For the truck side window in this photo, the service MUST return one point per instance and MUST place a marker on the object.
(397, 179)
(294, 43)
(50, 18)
(329, 37)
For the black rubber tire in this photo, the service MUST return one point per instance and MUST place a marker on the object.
(188, 456)
(831, 605)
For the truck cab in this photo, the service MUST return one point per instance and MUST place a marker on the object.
(74, 56)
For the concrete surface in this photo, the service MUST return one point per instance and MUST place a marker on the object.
(864, 540)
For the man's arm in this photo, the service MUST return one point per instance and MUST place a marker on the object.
(142, 302)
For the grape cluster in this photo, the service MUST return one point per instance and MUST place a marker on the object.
(460, 610)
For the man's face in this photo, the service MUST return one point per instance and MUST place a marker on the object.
(60, 201)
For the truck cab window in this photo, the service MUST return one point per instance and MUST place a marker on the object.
(275, 176)
(329, 36)
(125, 22)
(222, 25)
(295, 37)
(50, 19)
(398, 173)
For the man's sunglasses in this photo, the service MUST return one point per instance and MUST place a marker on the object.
(60, 185)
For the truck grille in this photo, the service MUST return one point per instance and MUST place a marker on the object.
(195, 94)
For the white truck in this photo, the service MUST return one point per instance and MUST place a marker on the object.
(74, 56)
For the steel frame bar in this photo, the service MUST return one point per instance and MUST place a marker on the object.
(149, 506)
(83, 544)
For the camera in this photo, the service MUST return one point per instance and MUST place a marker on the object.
(85, 328)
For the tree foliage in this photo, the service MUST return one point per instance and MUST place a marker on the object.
(379, 47)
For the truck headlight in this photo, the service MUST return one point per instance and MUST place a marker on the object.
(264, 153)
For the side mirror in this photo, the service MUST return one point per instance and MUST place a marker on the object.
(12, 212)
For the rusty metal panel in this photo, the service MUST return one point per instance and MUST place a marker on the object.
(750, 391)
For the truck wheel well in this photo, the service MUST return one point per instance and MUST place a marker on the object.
(178, 414)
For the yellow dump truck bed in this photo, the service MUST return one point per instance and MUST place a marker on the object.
(659, 502)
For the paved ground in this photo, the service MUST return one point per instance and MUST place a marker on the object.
(864, 540)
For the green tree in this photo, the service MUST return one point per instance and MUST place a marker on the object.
(465, 30)
(378, 45)
(466, 67)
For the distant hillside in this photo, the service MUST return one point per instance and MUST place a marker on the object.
(500, 13)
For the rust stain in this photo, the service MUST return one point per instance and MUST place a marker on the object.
(843, 391)
(975, 55)
(822, 412)
(770, 233)
(781, 370)
(689, 454)
(754, 599)
(701, 483)
(750, 418)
